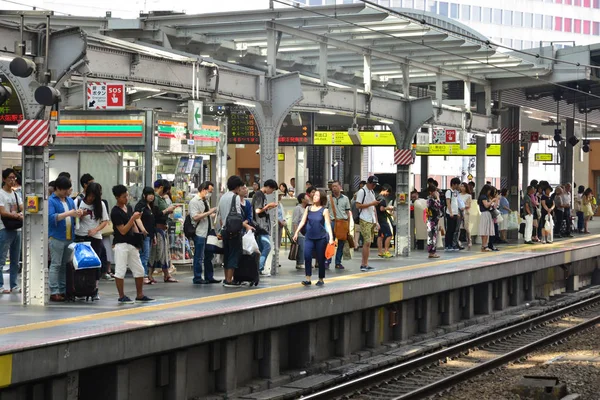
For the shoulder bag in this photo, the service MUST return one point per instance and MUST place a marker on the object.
(341, 227)
(214, 244)
(11, 224)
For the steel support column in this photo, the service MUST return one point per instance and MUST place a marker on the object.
(566, 152)
(509, 160)
(284, 91)
(323, 63)
(480, 156)
(417, 112)
(367, 73)
(439, 93)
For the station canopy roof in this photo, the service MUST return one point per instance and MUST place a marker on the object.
(429, 43)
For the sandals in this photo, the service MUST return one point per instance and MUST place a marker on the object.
(171, 280)
(148, 281)
(485, 249)
(434, 256)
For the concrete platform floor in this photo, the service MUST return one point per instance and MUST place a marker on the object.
(24, 327)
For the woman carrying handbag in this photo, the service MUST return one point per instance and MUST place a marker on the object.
(318, 230)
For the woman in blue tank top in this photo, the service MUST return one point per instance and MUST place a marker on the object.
(318, 232)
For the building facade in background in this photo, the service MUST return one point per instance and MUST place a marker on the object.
(520, 24)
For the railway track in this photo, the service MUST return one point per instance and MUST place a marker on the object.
(437, 372)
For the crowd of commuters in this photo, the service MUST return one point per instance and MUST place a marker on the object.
(321, 219)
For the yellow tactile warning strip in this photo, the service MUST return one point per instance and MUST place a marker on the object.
(5, 370)
(396, 295)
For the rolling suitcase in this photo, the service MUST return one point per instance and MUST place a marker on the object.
(81, 283)
(247, 270)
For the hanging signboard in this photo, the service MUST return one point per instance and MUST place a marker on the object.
(11, 112)
(543, 157)
(242, 128)
(297, 129)
(493, 150)
(450, 135)
(105, 96)
(341, 138)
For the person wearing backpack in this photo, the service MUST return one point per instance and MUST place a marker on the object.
(232, 223)
(200, 213)
(262, 221)
(366, 203)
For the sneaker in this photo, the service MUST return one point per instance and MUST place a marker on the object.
(459, 248)
(320, 283)
(212, 280)
(380, 255)
(144, 299)
(299, 267)
(96, 297)
(264, 273)
(363, 268)
(125, 300)
(232, 284)
(369, 268)
(528, 242)
(4, 291)
(107, 277)
(449, 249)
(339, 266)
(306, 283)
(16, 289)
(387, 254)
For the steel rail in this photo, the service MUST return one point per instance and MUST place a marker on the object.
(428, 359)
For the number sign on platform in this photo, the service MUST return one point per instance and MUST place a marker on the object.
(105, 96)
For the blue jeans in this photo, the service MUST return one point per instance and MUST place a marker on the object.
(300, 258)
(60, 255)
(199, 245)
(10, 240)
(580, 218)
(145, 254)
(264, 245)
(318, 247)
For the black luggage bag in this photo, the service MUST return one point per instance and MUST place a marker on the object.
(247, 270)
(81, 283)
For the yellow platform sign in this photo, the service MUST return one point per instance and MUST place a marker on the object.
(493, 150)
(547, 157)
(341, 138)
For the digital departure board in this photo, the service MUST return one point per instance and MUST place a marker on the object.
(10, 112)
(297, 129)
(242, 128)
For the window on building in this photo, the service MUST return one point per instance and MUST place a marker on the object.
(577, 26)
(527, 44)
(407, 3)
(476, 13)
(548, 22)
(465, 12)
(538, 20)
(528, 20)
(454, 10)
(419, 5)
(486, 15)
(586, 27)
(507, 42)
(384, 3)
(443, 8)
(518, 18)
(507, 17)
(497, 15)
(517, 44)
(558, 23)
(315, 3)
(567, 27)
(596, 28)
(432, 6)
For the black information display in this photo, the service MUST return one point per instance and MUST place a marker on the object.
(297, 129)
(242, 128)
(10, 112)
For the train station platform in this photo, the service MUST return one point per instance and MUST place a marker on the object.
(74, 336)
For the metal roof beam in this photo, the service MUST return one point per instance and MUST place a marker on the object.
(254, 15)
(372, 52)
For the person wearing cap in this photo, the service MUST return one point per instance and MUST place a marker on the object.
(366, 203)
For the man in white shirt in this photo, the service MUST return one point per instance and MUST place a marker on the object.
(452, 214)
(366, 203)
(201, 213)
(11, 209)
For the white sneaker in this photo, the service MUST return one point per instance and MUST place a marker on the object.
(264, 273)
(16, 289)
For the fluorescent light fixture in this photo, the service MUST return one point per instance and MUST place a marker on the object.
(539, 119)
(528, 112)
(241, 103)
(326, 112)
(11, 127)
(4, 58)
(594, 126)
(386, 121)
(479, 135)
(145, 89)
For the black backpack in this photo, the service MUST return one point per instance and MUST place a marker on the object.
(189, 229)
(234, 221)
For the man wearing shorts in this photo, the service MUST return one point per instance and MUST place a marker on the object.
(366, 203)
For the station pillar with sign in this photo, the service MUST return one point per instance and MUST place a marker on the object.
(509, 159)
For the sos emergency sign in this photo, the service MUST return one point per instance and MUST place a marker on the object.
(105, 96)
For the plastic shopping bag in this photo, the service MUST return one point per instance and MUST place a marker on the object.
(249, 244)
(513, 220)
(84, 256)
